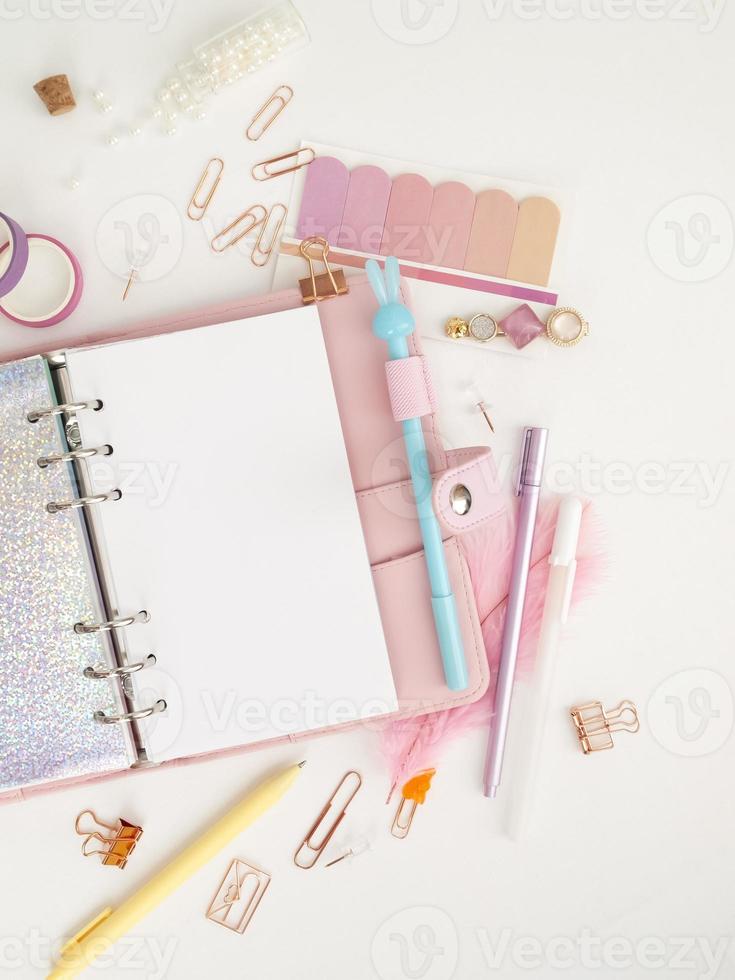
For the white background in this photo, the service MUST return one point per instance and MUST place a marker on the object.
(631, 114)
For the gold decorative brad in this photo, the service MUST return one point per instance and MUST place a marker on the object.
(457, 328)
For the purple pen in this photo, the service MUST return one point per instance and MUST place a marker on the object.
(528, 488)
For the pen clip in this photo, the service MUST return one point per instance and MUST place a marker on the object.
(83, 933)
(568, 589)
(523, 462)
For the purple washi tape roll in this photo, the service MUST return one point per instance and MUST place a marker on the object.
(18, 244)
(51, 288)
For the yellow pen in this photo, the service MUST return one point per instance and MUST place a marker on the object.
(111, 925)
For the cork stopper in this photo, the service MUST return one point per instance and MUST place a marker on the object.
(56, 94)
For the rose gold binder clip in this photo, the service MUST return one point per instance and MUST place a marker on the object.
(238, 896)
(595, 725)
(413, 795)
(208, 184)
(268, 235)
(116, 847)
(292, 161)
(326, 284)
(269, 112)
(346, 791)
(242, 225)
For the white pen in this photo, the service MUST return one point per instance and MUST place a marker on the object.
(562, 569)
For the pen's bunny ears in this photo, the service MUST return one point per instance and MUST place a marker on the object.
(388, 290)
(393, 319)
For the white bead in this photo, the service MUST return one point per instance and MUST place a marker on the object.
(74, 183)
(98, 95)
(112, 140)
(134, 129)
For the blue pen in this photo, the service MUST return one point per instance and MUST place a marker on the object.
(394, 323)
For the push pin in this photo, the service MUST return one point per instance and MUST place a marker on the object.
(116, 847)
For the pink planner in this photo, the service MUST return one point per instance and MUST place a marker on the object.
(90, 747)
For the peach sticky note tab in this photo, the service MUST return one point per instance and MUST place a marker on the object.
(407, 217)
(365, 209)
(323, 199)
(535, 241)
(450, 223)
(491, 238)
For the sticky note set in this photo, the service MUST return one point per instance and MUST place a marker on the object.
(465, 230)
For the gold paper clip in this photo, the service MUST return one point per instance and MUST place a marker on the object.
(314, 850)
(196, 209)
(595, 725)
(116, 849)
(263, 171)
(413, 795)
(260, 255)
(254, 216)
(328, 283)
(234, 905)
(264, 118)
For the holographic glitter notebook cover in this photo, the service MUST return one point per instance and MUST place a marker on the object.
(47, 730)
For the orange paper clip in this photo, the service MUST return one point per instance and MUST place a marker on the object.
(343, 791)
(413, 795)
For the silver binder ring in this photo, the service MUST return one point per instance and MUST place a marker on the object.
(56, 506)
(154, 709)
(44, 461)
(112, 624)
(43, 413)
(102, 671)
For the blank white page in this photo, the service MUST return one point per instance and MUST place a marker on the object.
(237, 530)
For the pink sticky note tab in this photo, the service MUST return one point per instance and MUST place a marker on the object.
(323, 199)
(491, 238)
(407, 218)
(535, 241)
(450, 222)
(365, 210)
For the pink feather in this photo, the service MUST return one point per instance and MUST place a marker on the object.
(411, 745)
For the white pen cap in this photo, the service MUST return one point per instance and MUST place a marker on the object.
(566, 536)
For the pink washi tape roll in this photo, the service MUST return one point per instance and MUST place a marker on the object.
(51, 287)
(17, 260)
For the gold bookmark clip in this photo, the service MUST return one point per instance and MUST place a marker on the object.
(116, 847)
(238, 896)
(346, 791)
(208, 184)
(296, 158)
(242, 225)
(413, 795)
(269, 112)
(269, 232)
(595, 725)
(326, 284)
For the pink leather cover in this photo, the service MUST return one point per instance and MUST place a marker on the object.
(381, 478)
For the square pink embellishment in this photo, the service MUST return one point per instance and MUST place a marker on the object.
(522, 326)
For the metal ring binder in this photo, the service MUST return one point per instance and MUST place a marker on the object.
(103, 672)
(41, 413)
(112, 624)
(56, 506)
(44, 461)
(154, 709)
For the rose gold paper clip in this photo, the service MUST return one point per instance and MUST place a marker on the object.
(269, 112)
(238, 896)
(211, 176)
(250, 219)
(595, 725)
(116, 847)
(314, 850)
(269, 231)
(301, 158)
